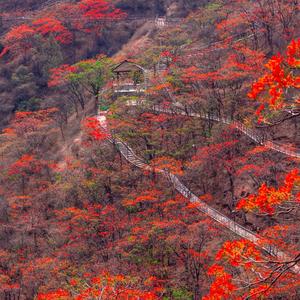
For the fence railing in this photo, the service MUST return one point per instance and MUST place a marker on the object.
(129, 88)
(251, 133)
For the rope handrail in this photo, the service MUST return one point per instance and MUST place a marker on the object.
(128, 153)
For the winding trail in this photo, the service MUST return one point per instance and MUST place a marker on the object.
(129, 154)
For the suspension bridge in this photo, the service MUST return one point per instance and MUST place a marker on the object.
(128, 153)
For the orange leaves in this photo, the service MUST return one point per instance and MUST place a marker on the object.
(25, 164)
(19, 37)
(87, 15)
(269, 197)
(167, 163)
(193, 74)
(228, 24)
(250, 168)
(240, 253)
(150, 196)
(29, 122)
(237, 251)
(272, 88)
(159, 87)
(240, 63)
(216, 270)
(198, 256)
(259, 292)
(156, 118)
(256, 277)
(214, 150)
(19, 33)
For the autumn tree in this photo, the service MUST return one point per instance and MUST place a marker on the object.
(267, 23)
(277, 90)
(267, 276)
(84, 77)
(25, 36)
(26, 176)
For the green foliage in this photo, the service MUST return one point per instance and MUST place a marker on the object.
(46, 55)
(214, 6)
(22, 75)
(92, 74)
(33, 104)
(137, 77)
(181, 294)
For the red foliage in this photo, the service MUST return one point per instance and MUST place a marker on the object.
(23, 36)
(222, 287)
(93, 129)
(234, 252)
(241, 63)
(107, 287)
(272, 88)
(23, 165)
(88, 14)
(20, 37)
(59, 75)
(28, 122)
(52, 26)
(96, 11)
(269, 197)
(59, 294)
(167, 163)
(99, 10)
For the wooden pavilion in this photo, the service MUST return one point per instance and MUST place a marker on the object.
(129, 77)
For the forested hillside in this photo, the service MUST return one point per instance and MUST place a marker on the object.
(149, 149)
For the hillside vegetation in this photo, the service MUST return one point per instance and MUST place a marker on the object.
(176, 179)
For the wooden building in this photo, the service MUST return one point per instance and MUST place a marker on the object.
(129, 77)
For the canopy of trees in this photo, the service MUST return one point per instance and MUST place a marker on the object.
(184, 189)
